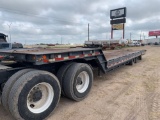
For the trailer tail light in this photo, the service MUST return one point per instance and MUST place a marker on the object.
(1, 57)
(45, 60)
(34, 57)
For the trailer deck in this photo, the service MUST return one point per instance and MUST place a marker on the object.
(111, 54)
(105, 59)
(40, 51)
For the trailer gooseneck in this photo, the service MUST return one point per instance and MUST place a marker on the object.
(31, 86)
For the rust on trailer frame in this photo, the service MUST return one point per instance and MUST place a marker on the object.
(39, 56)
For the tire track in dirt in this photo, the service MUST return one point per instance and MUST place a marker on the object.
(125, 91)
(137, 107)
(114, 98)
(125, 85)
(139, 104)
(152, 87)
(155, 108)
(154, 103)
(144, 100)
(150, 98)
(119, 93)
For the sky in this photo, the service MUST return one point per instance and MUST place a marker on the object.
(66, 21)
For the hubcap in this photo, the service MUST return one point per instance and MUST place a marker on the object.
(40, 97)
(82, 82)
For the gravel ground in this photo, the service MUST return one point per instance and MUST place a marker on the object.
(127, 93)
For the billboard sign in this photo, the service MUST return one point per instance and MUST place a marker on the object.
(118, 13)
(117, 27)
(118, 21)
(154, 33)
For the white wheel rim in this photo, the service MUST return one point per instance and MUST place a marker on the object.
(84, 82)
(46, 95)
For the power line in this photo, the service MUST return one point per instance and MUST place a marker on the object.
(43, 29)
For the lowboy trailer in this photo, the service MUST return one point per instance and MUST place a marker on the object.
(31, 86)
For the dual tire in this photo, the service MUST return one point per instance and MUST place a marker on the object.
(133, 61)
(76, 80)
(31, 94)
(34, 94)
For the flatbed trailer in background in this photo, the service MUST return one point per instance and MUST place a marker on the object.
(31, 86)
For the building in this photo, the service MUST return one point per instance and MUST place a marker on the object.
(152, 41)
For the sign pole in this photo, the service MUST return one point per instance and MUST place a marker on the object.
(111, 31)
(88, 31)
(123, 30)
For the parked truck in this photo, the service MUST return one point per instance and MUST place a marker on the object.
(31, 86)
(6, 45)
(3, 37)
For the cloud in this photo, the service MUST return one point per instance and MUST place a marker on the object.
(46, 21)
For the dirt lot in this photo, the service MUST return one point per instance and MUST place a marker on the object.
(128, 93)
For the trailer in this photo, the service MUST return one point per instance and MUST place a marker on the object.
(106, 43)
(31, 86)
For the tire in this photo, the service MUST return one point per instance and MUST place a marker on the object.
(78, 81)
(34, 95)
(131, 62)
(60, 75)
(135, 60)
(8, 85)
(140, 57)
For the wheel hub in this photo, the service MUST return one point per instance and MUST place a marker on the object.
(79, 81)
(40, 97)
(82, 82)
(37, 95)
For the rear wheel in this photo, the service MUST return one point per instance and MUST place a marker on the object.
(60, 74)
(78, 81)
(34, 95)
(135, 60)
(131, 62)
(8, 85)
(140, 57)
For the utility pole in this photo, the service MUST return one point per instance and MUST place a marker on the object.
(61, 40)
(143, 36)
(88, 31)
(9, 25)
(140, 34)
(130, 36)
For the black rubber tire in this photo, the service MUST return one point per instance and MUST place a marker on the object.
(131, 62)
(18, 95)
(135, 60)
(140, 57)
(60, 75)
(70, 81)
(8, 85)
